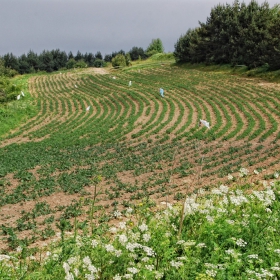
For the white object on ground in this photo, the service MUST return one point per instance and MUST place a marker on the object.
(205, 123)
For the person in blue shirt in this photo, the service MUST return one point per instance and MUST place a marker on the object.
(161, 91)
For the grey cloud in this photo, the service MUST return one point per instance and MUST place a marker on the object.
(91, 26)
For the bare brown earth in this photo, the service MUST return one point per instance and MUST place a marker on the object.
(10, 213)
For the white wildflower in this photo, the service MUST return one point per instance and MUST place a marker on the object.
(238, 199)
(122, 225)
(150, 267)
(229, 251)
(132, 270)
(158, 275)
(225, 200)
(117, 214)
(66, 267)
(92, 269)
(266, 273)
(216, 192)
(253, 256)
(118, 253)
(224, 189)
(179, 242)
(276, 175)
(79, 241)
(176, 264)
(89, 277)
(76, 272)
(240, 242)
(190, 243)
(209, 219)
(117, 277)
(55, 257)
(113, 229)
(146, 237)
(131, 246)
(201, 191)
(222, 210)
(201, 245)
(4, 257)
(168, 234)
(94, 243)
(174, 227)
(128, 276)
(145, 259)
(277, 251)
(72, 260)
(243, 172)
(265, 184)
(109, 248)
(190, 205)
(275, 268)
(134, 236)
(69, 276)
(19, 249)
(256, 172)
(123, 238)
(132, 256)
(209, 204)
(230, 177)
(266, 197)
(158, 216)
(230, 222)
(210, 265)
(149, 251)
(211, 272)
(244, 223)
(143, 227)
(87, 261)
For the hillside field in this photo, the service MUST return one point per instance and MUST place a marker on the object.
(97, 138)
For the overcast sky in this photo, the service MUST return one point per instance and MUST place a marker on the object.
(98, 25)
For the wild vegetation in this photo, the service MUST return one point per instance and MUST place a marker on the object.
(100, 152)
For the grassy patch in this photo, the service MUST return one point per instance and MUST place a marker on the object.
(12, 114)
(242, 70)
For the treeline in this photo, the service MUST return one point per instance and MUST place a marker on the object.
(236, 34)
(55, 60)
(50, 61)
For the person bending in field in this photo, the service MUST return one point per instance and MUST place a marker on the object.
(161, 91)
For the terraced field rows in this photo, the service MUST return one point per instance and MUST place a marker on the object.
(142, 145)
